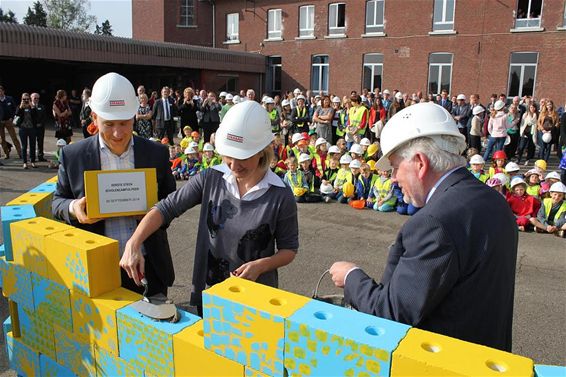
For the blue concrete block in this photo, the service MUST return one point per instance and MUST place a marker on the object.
(550, 371)
(2, 250)
(22, 358)
(323, 339)
(52, 301)
(10, 214)
(7, 327)
(109, 365)
(73, 353)
(49, 368)
(3, 269)
(36, 332)
(148, 344)
(45, 187)
(16, 285)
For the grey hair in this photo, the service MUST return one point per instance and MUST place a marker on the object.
(440, 159)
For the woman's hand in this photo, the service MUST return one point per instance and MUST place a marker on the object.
(133, 261)
(250, 270)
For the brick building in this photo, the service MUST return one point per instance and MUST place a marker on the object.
(517, 47)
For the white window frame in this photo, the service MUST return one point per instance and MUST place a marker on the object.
(184, 18)
(307, 32)
(372, 67)
(274, 18)
(438, 26)
(333, 28)
(528, 22)
(379, 28)
(272, 69)
(441, 68)
(522, 75)
(233, 28)
(317, 89)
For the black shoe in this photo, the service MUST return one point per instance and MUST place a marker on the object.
(41, 159)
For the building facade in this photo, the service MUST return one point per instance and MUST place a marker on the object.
(516, 47)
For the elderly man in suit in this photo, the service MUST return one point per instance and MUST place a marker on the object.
(164, 110)
(114, 104)
(451, 269)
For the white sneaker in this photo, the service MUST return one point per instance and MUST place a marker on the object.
(327, 199)
(526, 163)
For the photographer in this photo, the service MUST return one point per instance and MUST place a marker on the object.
(26, 122)
(210, 115)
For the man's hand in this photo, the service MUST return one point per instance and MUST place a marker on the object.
(551, 228)
(79, 210)
(250, 270)
(338, 272)
(133, 261)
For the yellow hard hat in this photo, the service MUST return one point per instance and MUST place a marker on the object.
(371, 164)
(348, 189)
(541, 164)
(372, 149)
(299, 191)
(184, 143)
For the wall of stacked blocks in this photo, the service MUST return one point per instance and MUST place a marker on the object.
(70, 317)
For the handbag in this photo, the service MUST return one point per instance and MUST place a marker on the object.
(17, 121)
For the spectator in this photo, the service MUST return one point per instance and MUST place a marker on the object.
(84, 115)
(547, 126)
(210, 109)
(143, 125)
(40, 121)
(163, 113)
(497, 129)
(27, 122)
(528, 134)
(75, 104)
(188, 109)
(445, 101)
(8, 111)
(62, 114)
(322, 119)
(513, 120)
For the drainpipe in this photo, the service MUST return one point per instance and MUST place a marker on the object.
(213, 2)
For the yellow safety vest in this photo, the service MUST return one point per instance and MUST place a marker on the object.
(356, 114)
(548, 206)
(298, 181)
(533, 190)
(383, 188)
(299, 115)
(342, 177)
(374, 178)
(275, 125)
(340, 129)
(481, 176)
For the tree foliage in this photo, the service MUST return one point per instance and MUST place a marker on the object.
(8, 17)
(37, 16)
(104, 29)
(69, 14)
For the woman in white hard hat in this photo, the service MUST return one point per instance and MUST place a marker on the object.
(245, 209)
(551, 217)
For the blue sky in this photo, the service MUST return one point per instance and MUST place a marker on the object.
(118, 12)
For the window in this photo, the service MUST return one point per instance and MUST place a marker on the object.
(187, 13)
(336, 19)
(528, 13)
(232, 27)
(373, 70)
(522, 74)
(443, 19)
(319, 74)
(564, 22)
(274, 74)
(306, 21)
(439, 72)
(274, 24)
(374, 16)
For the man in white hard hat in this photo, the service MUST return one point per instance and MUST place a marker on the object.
(114, 105)
(451, 269)
(462, 113)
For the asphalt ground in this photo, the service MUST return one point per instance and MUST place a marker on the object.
(331, 232)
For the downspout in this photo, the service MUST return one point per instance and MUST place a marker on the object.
(213, 2)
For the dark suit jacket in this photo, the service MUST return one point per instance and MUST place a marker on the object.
(447, 105)
(85, 155)
(451, 269)
(158, 112)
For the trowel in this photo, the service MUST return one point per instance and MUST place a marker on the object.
(157, 307)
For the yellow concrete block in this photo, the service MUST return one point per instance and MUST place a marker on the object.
(75, 354)
(83, 261)
(41, 202)
(244, 321)
(52, 179)
(94, 319)
(422, 353)
(192, 359)
(28, 242)
(249, 372)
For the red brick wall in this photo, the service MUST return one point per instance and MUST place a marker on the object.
(147, 20)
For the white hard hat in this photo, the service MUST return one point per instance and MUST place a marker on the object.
(512, 167)
(285, 102)
(345, 159)
(61, 142)
(355, 164)
(502, 177)
(386, 91)
(229, 97)
(297, 137)
(222, 94)
(334, 149)
(336, 100)
(190, 150)
(357, 149)
(498, 105)
(300, 96)
(552, 175)
(268, 100)
(319, 141)
(517, 181)
(461, 96)
(208, 148)
(419, 120)
(237, 99)
(478, 110)
(263, 99)
(304, 157)
(365, 141)
(193, 144)
(244, 131)
(558, 187)
(547, 137)
(113, 97)
(399, 95)
(297, 91)
(326, 188)
(477, 159)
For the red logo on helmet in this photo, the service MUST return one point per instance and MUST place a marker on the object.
(117, 102)
(237, 139)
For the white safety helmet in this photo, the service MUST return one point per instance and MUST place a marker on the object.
(61, 142)
(237, 99)
(229, 97)
(336, 100)
(386, 91)
(498, 105)
(222, 94)
(357, 149)
(304, 158)
(113, 97)
(193, 144)
(552, 175)
(502, 177)
(326, 188)
(319, 141)
(478, 110)
(419, 120)
(558, 187)
(365, 141)
(297, 137)
(263, 99)
(285, 102)
(244, 131)
(461, 96)
(518, 181)
(477, 159)
(268, 100)
(300, 96)
(399, 96)
(512, 167)
(190, 150)
(333, 149)
(345, 159)
(297, 91)
(547, 137)
(208, 148)
(355, 164)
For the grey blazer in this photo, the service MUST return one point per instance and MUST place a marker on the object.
(451, 269)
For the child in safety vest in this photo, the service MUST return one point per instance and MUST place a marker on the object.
(184, 143)
(342, 176)
(341, 144)
(55, 163)
(278, 148)
(550, 179)
(365, 143)
(541, 166)
(313, 182)
(320, 159)
(372, 152)
(295, 179)
(523, 205)
(365, 182)
(176, 160)
(209, 158)
(195, 136)
(357, 152)
(278, 167)
(355, 170)
(498, 163)
(303, 147)
(476, 168)
(191, 163)
(533, 183)
(327, 189)
(551, 218)
(382, 191)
